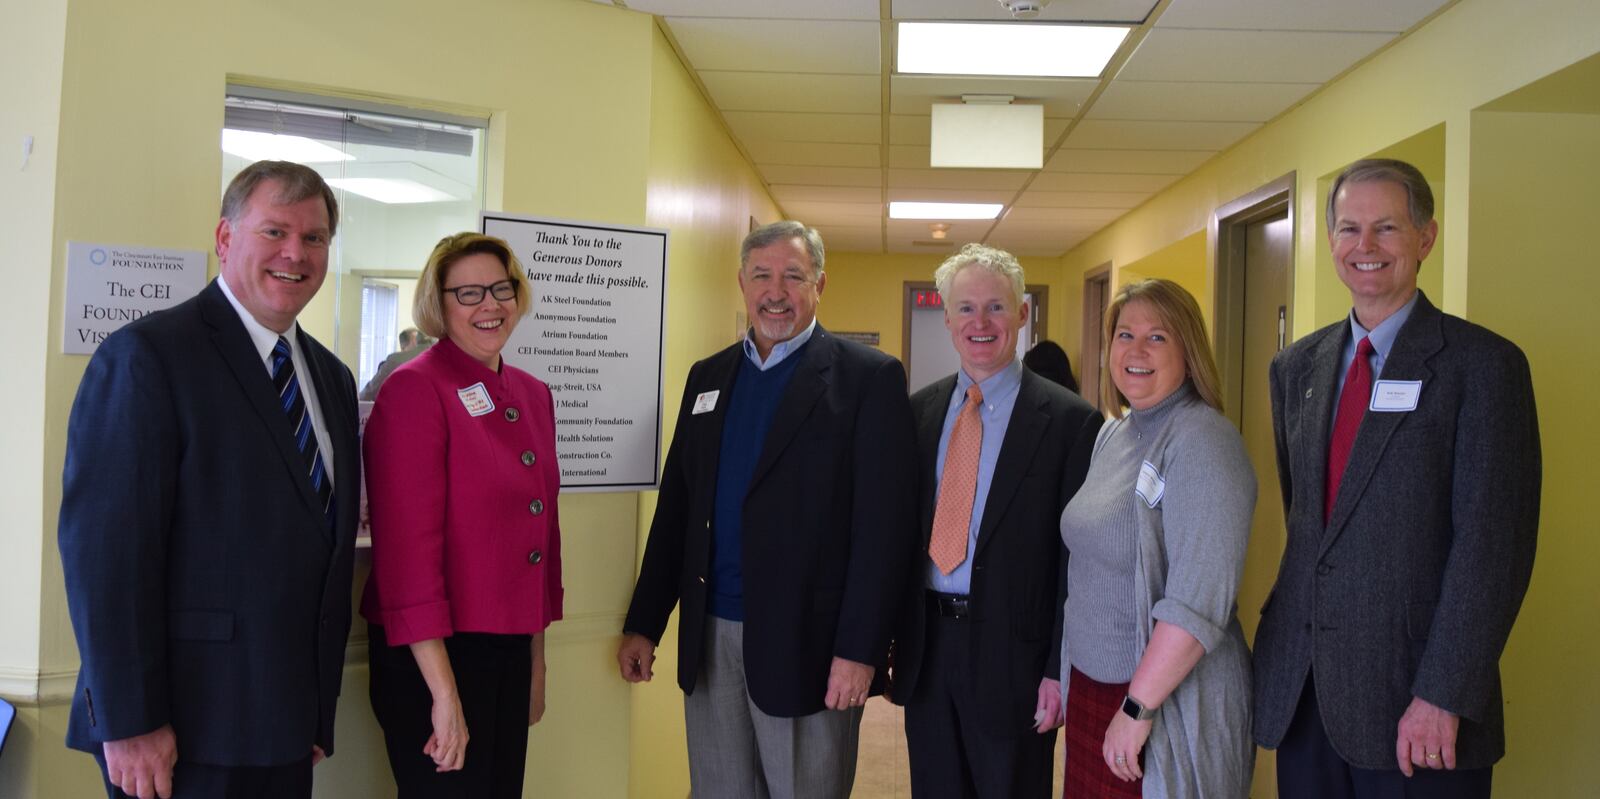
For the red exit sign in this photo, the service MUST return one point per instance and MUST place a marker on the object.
(926, 298)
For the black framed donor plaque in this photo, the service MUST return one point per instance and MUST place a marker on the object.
(595, 337)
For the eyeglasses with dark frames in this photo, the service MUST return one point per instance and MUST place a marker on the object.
(473, 294)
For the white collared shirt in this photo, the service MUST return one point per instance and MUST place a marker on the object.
(265, 340)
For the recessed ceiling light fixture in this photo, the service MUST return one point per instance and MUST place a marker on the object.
(257, 146)
(1023, 49)
(391, 191)
(907, 210)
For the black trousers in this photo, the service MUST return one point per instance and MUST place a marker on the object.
(203, 781)
(1309, 767)
(951, 756)
(493, 678)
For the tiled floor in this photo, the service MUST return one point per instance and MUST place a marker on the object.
(881, 769)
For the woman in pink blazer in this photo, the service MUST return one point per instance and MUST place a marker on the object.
(466, 546)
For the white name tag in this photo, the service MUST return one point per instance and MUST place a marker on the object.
(705, 403)
(1150, 486)
(475, 398)
(1395, 396)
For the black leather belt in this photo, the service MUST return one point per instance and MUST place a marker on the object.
(950, 606)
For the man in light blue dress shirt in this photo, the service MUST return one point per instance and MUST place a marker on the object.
(977, 649)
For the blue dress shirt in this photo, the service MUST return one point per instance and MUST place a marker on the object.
(1382, 336)
(780, 350)
(999, 397)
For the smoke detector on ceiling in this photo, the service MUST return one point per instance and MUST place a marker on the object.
(1024, 9)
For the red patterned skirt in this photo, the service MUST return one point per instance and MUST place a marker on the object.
(1090, 706)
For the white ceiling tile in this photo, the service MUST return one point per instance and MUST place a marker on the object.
(1116, 134)
(916, 94)
(774, 91)
(779, 45)
(1081, 181)
(821, 175)
(789, 126)
(1060, 217)
(847, 214)
(1081, 199)
(961, 230)
(1109, 11)
(957, 178)
(906, 129)
(1212, 102)
(767, 9)
(1298, 15)
(786, 194)
(905, 156)
(1136, 162)
(1001, 196)
(794, 153)
(1181, 54)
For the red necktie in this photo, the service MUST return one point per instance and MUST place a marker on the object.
(952, 516)
(1352, 405)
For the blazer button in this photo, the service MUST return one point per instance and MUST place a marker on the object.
(527, 457)
(535, 556)
(536, 507)
(512, 415)
(1323, 568)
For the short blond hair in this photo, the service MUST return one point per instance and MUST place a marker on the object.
(990, 259)
(1180, 315)
(427, 309)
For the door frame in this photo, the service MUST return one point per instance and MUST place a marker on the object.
(1091, 366)
(1226, 235)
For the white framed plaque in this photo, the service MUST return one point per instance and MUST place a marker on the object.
(595, 337)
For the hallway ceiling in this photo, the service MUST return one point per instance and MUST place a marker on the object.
(809, 92)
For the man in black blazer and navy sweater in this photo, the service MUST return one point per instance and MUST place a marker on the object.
(1408, 453)
(978, 647)
(207, 532)
(781, 534)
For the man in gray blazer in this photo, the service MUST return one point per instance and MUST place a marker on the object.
(1408, 454)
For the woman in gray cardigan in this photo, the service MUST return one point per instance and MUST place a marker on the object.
(1155, 668)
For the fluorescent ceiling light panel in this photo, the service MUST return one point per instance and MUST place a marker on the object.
(256, 146)
(392, 191)
(984, 136)
(906, 210)
(1026, 48)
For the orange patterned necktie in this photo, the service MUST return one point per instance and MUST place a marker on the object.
(952, 517)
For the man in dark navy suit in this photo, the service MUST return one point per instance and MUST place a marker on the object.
(782, 535)
(208, 518)
(1001, 452)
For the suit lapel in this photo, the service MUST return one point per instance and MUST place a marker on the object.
(930, 425)
(1023, 433)
(325, 377)
(720, 371)
(1417, 341)
(810, 380)
(1312, 389)
(238, 351)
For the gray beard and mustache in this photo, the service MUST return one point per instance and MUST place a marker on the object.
(774, 329)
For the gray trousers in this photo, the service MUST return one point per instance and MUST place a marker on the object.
(738, 752)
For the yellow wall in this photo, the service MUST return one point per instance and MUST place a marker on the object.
(580, 129)
(700, 188)
(1533, 210)
(1418, 99)
(1183, 262)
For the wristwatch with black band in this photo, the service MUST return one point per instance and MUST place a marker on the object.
(1136, 711)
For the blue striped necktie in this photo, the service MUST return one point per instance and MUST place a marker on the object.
(294, 406)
